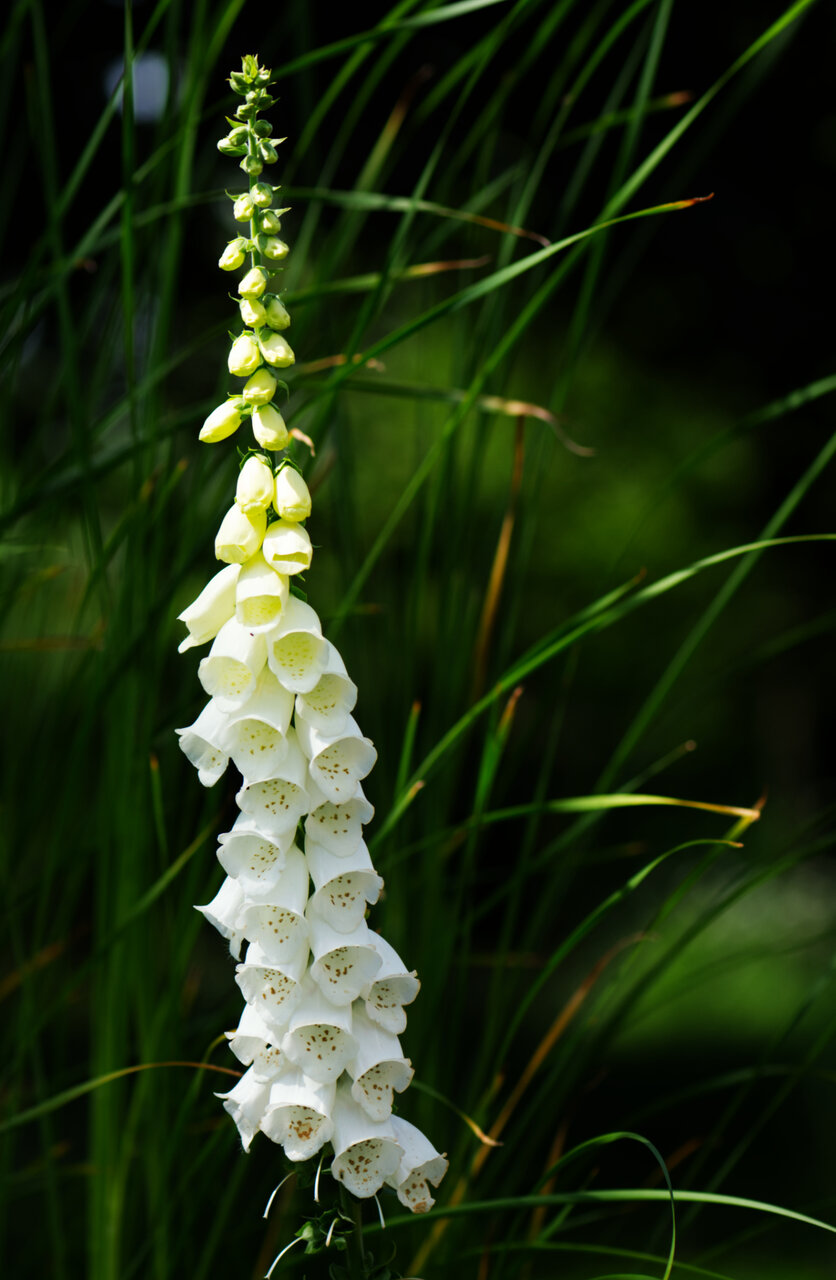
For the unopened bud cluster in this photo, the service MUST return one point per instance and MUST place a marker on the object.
(324, 994)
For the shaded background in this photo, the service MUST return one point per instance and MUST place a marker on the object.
(697, 320)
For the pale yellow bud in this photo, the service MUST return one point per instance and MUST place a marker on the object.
(242, 210)
(222, 422)
(261, 387)
(269, 428)
(277, 350)
(276, 314)
(233, 255)
(274, 250)
(244, 355)
(253, 284)
(255, 486)
(253, 312)
(292, 498)
(240, 535)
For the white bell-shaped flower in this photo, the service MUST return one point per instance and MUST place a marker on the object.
(337, 763)
(274, 990)
(287, 546)
(247, 1104)
(222, 422)
(296, 650)
(201, 743)
(260, 595)
(421, 1164)
(213, 607)
(298, 1114)
(327, 706)
(344, 964)
(339, 827)
(366, 1152)
(253, 859)
(343, 885)
(277, 804)
(230, 670)
(267, 1060)
(250, 1036)
(225, 912)
(279, 926)
(393, 987)
(318, 1039)
(240, 535)
(377, 1068)
(256, 736)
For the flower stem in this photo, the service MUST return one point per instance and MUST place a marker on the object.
(356, 1253)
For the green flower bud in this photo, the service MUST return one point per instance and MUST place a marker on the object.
(269, 427)
(261, 387)
(274, 250)
(253, 313)
(244, 356)
(247, 111)
(252, 165)
(239, 135)
(242, 210)
(269, 222)
(228, 148)
(262, 128)
(262, 195)
(276, 351)
(253, 284)
(276, 313)
(267, 151)
(249, 66)
(238, 83)
(234, 254)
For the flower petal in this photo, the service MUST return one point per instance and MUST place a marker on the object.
(260, 595)
(421, 1163)
(201, 743)
(338, 763)
(344, 963)
(215, 605)
(366, 1152)
(234, 663)
(339, 827)
(377, 1068)
(299, 1115)
(318, 1037)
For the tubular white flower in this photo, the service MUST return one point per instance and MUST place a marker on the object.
(201, 744)
(215, 605)
(247, 1103)
(339, 827)
(298, 1114)
(327, 706)
(393, 987)
(256, 736)
(256, 484)
(249, 1037)
(244, 356)
(318, 1039)
(269, 427)
(279, 926)
(338, 763)
(240, 535)
(344, 963)
(292, 497)
(225, 913)
(231, 668)
(343, 885)
(287, 547)
(276, 350)
(222, 422)
(260, 595)
(377, 1068)
(277, 804)
(421, 1163)
(274, 990)
(296, 651)
(366, 1152)
(250, 857)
